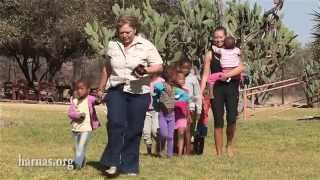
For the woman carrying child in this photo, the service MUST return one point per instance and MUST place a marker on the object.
(226, 92)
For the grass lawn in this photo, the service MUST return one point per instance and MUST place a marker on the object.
(268, 146)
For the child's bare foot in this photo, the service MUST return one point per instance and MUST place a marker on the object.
(230, 151)
(169, 156)
(219, 152)
(149, 149)
(161, 155)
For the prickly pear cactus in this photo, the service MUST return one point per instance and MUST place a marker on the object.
(311, 75)
(98, 37)
(158, 29)
(196, 22)
(131, 11)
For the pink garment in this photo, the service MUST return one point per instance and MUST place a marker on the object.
(181, 123)
(206, 105)
(73, 114)
(181, 112)
(229, 57)
(228, 70)
(214, 77)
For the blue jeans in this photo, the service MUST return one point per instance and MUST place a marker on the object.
(126, 114)
(81, 141)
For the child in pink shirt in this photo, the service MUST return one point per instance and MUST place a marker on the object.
(84, 120)
(230, 54)
(230, 58)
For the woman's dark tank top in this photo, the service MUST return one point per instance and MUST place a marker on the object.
(215, 65)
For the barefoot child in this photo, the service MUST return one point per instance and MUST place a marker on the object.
(83, 120)
(164, 95)
(202, 124)
(151, 123)
(181, 110)
(195, 104)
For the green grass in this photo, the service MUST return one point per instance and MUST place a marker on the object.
(268, 146)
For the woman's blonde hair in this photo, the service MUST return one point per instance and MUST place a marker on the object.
(130, 20)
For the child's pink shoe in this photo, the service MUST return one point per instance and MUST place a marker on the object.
(214, 77)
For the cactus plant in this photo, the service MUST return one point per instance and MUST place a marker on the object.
(312, 85)
(131, 11)
(312, 65)
(158, 29)
(196, 22)
(98, 36)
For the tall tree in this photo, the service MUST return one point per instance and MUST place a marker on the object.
(34, 31)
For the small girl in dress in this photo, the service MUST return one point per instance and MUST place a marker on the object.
(164, 97)
(202, 124)
(181, 110)
(195, 104)
(83, 120)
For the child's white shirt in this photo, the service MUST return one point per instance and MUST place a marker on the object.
(229, 57)
(83, 107)
(193, 86)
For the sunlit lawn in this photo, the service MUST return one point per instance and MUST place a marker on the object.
(269, 145)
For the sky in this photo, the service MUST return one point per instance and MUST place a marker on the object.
(296, 15)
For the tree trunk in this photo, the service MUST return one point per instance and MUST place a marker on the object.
(23, 65)
(53, 71)
(77, 64)
(35, 68)
(309, 102)
(282, 90)
(44, 75)
(9, 71)
(54, 65)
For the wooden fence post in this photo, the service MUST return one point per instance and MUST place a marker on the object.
(245, 104)
(252, 101)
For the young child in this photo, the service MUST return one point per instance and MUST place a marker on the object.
(195, 104)
(83, 120)
(202, 124)
(230, 58)
(151, 123)
(164, 96)
(181, 110)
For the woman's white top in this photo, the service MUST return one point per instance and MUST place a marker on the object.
(141, 51)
